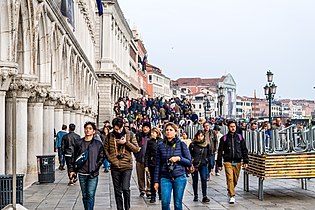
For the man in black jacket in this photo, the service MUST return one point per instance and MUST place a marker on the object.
(233, 149)
(67, 145)
(88, 158)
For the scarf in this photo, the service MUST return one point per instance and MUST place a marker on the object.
(119, 135)
(201, 143)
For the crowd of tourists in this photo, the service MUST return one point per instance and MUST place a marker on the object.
(153, 132)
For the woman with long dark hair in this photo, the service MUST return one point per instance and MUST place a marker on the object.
(200, 153)
(172, 158)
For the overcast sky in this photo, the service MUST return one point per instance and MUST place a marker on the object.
(209, 38)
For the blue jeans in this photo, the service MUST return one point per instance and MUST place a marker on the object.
(203, 171)
(211, 162)
(178, 185)
(61, 157)
(88, 186)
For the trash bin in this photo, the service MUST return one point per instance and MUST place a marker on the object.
(6, 189)
(46, 168)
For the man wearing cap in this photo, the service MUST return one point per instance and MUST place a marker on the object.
(143, 178)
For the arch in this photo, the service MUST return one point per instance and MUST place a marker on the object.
(40, 69)
(63, 68)
(54, 47)
(23, 39)
(70, 73)
(5, 28)
(76, 85)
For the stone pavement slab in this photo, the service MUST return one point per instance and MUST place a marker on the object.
(279, 194)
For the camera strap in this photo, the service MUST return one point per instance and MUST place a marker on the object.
(173, 150)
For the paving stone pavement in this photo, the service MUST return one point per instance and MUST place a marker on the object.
(279, 194)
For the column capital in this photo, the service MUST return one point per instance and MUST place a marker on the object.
(7, 71)
(23, 85)
(38, 94)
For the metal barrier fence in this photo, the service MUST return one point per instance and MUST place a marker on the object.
(290, 139)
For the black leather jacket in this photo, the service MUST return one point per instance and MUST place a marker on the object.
(150, 155)
(232, 148)
(95, 157)
(68, 142)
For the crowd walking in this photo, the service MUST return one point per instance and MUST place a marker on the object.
(152, 134)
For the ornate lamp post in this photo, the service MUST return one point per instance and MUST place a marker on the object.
(221, 99)
(270, 91)
(206, 105)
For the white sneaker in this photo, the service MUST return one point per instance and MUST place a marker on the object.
(232, 200)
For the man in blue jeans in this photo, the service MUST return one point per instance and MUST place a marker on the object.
(59, 136)
(88, 170)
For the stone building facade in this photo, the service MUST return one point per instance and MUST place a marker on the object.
(49, 65)
(113, 57)
(196, 85)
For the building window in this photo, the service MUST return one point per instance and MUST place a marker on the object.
(199, 106)
(150, 78)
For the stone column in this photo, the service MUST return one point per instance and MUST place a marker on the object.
(82, 124)
(21, 134)
(2, 131)
(21, 129)
(86, 117)
(49, 125)
(78, 126)
(7, 70)
(105, 99)
(66, 117)
(34, 135)
(8, 135)
(58, 118)
(72, 116)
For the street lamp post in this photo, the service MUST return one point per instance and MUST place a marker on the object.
(206, 105)
(270, 91)
(221, 100)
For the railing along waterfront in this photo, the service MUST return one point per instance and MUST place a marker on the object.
(287, 140)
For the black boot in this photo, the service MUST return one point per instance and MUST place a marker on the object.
(196, 198)
(152, 200)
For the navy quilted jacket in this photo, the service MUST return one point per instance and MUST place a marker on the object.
(165, 151)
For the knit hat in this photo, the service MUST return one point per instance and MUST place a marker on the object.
(148, 124)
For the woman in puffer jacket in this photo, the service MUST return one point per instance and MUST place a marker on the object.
(172, 158)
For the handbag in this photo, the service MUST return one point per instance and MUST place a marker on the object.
(81, 160)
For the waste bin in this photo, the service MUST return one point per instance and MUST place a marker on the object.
(46, 168)
(6, 189)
